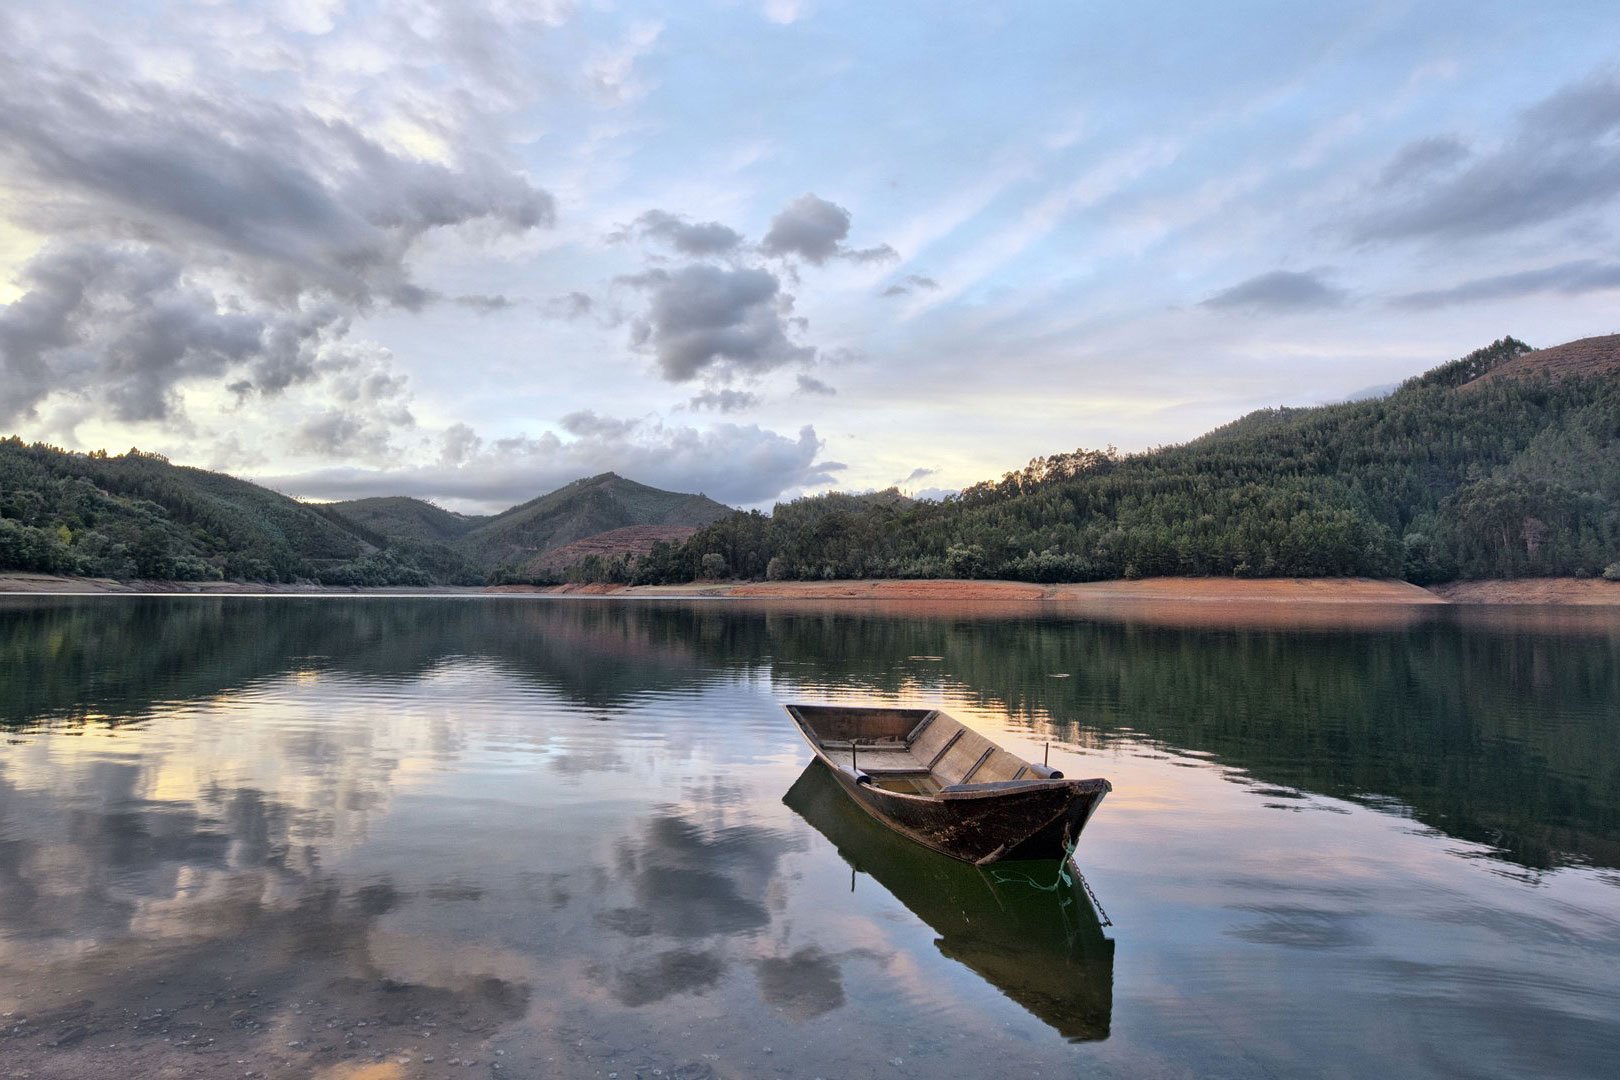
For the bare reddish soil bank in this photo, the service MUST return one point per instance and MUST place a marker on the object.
(1225, 591)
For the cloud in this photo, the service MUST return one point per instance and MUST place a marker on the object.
(688, 238)
(1568, 279)
(121, 325)
(814, 230)
(668, 974)
(914, 475)
(570, 306)
(291, 199)
(1278, 291)
(484, 304)
(1423, 157)
(458, 444)
(809, 385)
(339, 433)
(704, 317)
(202, 234)
(725, 401)
(882, 253)
(785, 12)
(1563, 158)
(804, 985)
(612, 72)
(588, 424)
(368, 405)
(735, 318)
(738, 464)
(307, 16)
(910, 282)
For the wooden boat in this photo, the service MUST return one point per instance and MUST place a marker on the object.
(930, 778)
(1026, 931)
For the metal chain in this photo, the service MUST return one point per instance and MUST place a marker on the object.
(1096, 903)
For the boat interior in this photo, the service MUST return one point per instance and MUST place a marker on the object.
(914, 751)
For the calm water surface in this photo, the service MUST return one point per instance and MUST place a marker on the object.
(375, 838)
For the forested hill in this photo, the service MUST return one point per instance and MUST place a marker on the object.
(136, 515)
(401, 517)
(1504, 463)
(598, 504)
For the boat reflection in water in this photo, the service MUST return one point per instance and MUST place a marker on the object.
(1041, 946)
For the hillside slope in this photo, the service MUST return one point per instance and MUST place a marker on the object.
(629, 542)
(137, 515)
(585, 508)
(1588, 357)
(1504, 463)
(404, 518)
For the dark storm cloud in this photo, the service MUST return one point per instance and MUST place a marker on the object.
(1421, 158)
(702, 317)
(687, 237)
(1278, 291)
(810, 385)
(205, 234)
(1568, 279)
(725, 401)
(1563, 158)
(814, 230)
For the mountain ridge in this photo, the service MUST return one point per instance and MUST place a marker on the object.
(1503, 463)
(138, 515)
(584, 508)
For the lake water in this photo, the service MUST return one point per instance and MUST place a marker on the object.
(384, 837)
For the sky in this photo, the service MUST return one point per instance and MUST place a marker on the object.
(471, 250)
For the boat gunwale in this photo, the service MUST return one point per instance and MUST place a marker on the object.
(1039, 784)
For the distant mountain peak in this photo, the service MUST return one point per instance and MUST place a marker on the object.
(587, 507)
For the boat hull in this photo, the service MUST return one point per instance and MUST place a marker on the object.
(1040, 821)
(939, 783)
(1029, 932)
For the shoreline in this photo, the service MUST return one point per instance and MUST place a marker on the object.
(1583, 592)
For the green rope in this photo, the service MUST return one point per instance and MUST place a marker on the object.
(1063, 880)
(1010, 877)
